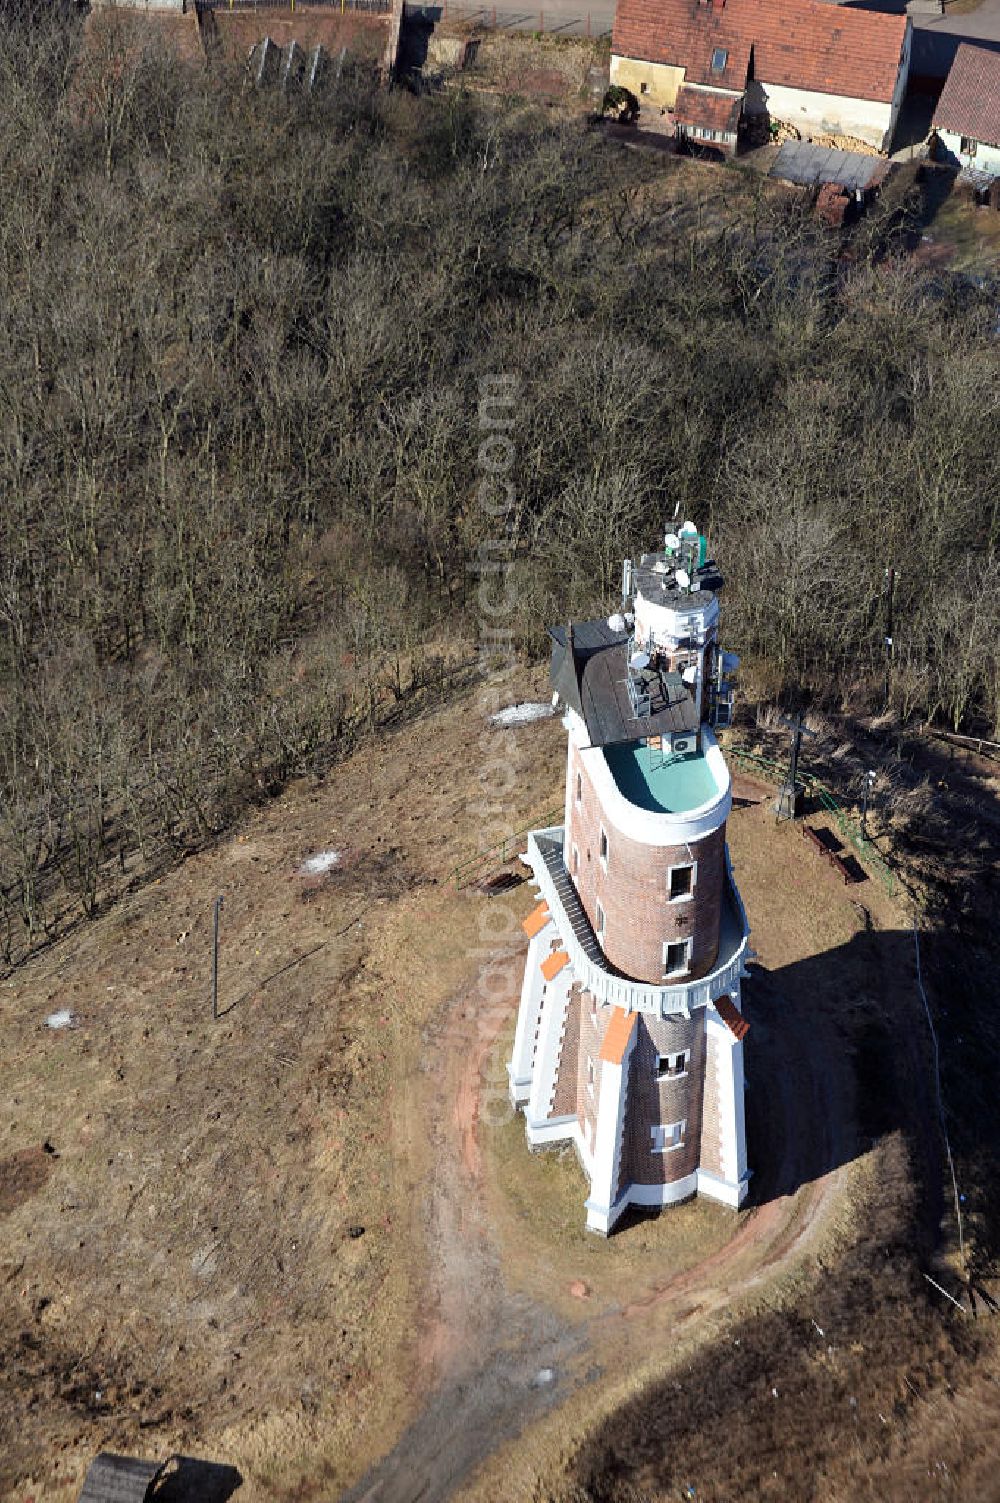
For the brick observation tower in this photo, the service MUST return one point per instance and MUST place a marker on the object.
(629, 1038)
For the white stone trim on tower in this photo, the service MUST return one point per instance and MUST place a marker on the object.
(640, 824)
(602, 1211)
(554, 1006)
(532, 991)
(591, 969)
(731, 1183)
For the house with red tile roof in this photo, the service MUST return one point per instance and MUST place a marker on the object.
(709, 63)
(967, 118)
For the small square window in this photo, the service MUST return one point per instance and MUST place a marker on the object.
(720, 58)
(600, 920)
(675, 957)
(579, 787)
(590, 1074)
(668, 1135)
(672, 1066)
(681, 882)
(967, 146)
(604, 847)
(576, 861)
(644, 88)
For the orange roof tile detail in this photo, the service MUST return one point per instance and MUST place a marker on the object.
(714, 111)
(553, 964)
(536, 920)
(801, 44)
(619, 1032)
(732, 1017)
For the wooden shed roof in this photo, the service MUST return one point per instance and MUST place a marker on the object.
(119, 1479)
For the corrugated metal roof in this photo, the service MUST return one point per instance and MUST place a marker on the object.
(802, 162)
(977, 178)
(119, 1479)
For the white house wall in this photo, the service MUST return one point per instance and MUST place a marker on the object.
(901, 79)
(986, 159)
(832, 113)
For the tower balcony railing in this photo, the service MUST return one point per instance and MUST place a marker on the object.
(590, 965)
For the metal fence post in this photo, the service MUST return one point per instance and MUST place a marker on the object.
(215, 960)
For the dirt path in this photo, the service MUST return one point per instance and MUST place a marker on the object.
(497, 1361)
(486, 1354)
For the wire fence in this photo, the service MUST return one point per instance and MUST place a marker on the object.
(363, 7)
(465, 873)
(849, 828)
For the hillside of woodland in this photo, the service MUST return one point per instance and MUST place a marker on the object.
(244, 338)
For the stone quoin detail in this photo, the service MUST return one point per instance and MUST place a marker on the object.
(629, 1038)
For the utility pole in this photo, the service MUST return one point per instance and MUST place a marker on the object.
(217, 907)
(890, 585)
(869, 780)
(788, 800)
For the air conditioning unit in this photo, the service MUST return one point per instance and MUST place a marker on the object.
(682, 744)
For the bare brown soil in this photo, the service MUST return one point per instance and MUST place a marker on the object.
(544, 69)
(192, 1275)
(307, 1236)
(512, 1333)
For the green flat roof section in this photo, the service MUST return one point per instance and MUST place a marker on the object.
(671, 785)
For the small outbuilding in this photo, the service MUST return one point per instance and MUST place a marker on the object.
(967, 118)
(707, 119)
(119, 1479)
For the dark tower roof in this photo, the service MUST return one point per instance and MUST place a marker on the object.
(589, 672)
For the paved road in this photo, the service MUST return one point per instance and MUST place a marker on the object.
(934, 45)
(982, 25)
(936, 37)
(560, 17)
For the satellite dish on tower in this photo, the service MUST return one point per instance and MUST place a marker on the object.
(672, 541)
(683, 579)
(639, 661)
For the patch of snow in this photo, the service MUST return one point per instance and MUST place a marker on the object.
(63, 1018)
(616, 622)
(323, 861)
(521, 714)
(543, 1377)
